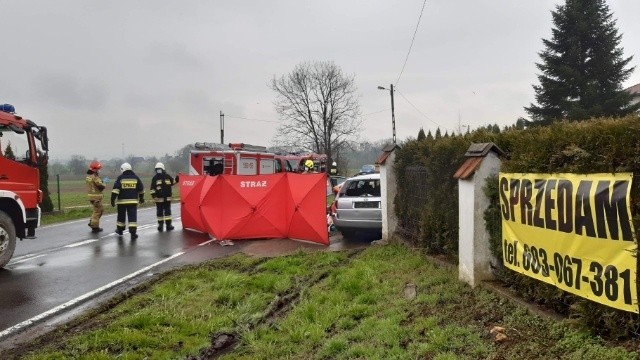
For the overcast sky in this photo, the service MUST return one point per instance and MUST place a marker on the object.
(149, 77)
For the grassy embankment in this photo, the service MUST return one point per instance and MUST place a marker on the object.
(325, 305)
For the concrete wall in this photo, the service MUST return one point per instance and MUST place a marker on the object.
(475, 256)
(389, 191)
(466, 244)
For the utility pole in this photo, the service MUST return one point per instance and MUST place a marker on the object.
(221, 127)
(460, 126)
(393, 116)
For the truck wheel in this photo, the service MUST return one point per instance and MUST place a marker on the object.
(7, 239)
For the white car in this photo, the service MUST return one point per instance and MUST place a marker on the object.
(358, 206)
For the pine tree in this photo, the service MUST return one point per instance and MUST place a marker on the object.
(582, 66)
(421, 135)
(47, 204)
(438, 133)
(429, 136)
(8, 152)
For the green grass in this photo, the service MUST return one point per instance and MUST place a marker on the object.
(323, 305)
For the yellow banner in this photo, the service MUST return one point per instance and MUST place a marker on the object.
(572, 231)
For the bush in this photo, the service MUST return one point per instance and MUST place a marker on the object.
(427, 206)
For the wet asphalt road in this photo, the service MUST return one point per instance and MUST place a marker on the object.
(67, 265)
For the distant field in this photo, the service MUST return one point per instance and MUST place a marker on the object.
(73, 192)
(73, 199)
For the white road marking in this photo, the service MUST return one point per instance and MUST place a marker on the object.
(80, 243)
(69, 304)
(25, 258)
(85, 220)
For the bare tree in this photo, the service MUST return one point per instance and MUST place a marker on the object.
(318, 106)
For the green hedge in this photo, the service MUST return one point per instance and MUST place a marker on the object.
(433, 222)
(594, 146)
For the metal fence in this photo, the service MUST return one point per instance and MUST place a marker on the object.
(413, 194)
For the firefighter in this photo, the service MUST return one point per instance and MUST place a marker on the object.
(308, 167)
(127, 192)
(334, 169)
(161, 193)
(94, 194)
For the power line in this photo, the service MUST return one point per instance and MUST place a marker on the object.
(244, 118)
(418, 110)
(412, 39)
(376, 112)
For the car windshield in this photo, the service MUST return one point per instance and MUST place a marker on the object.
(364, 187)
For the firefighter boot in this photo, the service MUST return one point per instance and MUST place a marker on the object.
(169, 226)
(160, 225)
(132, 231)
(120, 230)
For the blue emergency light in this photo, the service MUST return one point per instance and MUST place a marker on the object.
(8, 108)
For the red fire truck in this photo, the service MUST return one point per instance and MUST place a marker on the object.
(20, 193)
(233, 159)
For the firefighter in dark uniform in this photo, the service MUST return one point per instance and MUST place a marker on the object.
(127, 192)
(94, 194)
(161, 184)
(333, 170)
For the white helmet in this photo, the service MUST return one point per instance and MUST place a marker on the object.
(334, 164)
(159, 166)
(124, 167)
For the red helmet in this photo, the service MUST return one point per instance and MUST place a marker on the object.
(95, 165)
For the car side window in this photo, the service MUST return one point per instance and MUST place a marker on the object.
(376, 189)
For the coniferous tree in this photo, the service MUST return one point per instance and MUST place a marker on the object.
(582, 66)
(438, 133)
(8, 152)
(421, 135)
(429, 136)
(47, 204)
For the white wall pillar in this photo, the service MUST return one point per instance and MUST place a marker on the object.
(389, 187)
(474, 249)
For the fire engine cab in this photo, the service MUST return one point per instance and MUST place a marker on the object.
(232, 159)
(20, 194)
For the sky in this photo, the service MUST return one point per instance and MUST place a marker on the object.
(147, 77)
